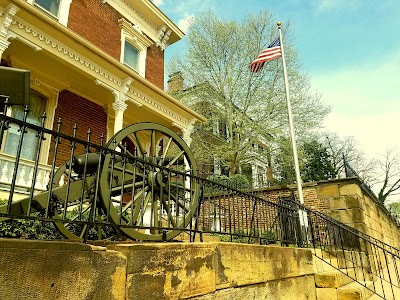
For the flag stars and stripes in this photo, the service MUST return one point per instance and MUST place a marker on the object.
(273, 51)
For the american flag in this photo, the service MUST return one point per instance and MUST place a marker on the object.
(273, 51)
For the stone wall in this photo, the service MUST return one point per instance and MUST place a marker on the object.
(60, 271)
(144, 271)
(347, 201)
(357, 207)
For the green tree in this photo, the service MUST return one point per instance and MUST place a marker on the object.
(318, 164)
(251, 106)
(394, 207)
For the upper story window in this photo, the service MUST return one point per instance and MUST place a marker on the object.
(134, 46)
(131, 55)
(52, 6)
(58, 9)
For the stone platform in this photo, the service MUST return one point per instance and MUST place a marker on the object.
(61, 270)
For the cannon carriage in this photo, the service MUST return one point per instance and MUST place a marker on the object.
(141, 184)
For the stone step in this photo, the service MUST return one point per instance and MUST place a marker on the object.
(334, 279)
(345, 258)
(326, 293)
(331, 264)
(355, 291)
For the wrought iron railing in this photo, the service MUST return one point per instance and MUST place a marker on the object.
(142, 185)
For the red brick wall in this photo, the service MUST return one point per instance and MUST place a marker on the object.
(310, 196)
(73, 109)
(155, 66)
(98, 23)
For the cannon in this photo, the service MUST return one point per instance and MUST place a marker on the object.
(142, 184)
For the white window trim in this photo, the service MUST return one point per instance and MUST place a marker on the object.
(63, 10)
(134, 36)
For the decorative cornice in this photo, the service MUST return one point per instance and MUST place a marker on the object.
(66, 51)
(134, 16)
(157, 105)
(7, 16)
(163, 37)
(131, 94)
(3, 45)
(13, 36)
(125, 88)
(135, 33)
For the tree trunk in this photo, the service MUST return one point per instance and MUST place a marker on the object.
(233, 164)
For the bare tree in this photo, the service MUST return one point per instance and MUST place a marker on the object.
(344, 148)
(389, 169)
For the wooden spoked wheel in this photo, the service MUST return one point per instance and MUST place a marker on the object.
(147, 189)
(75, 202)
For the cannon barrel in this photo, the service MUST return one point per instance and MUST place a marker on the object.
(92, 162)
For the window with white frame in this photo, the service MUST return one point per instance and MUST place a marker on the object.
(58, 9)
(37, 107)
(134, 46)
(52, 6)
(131, 55)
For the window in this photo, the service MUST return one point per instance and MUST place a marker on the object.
(134, 46)
(52, 6)
(37, 107)
(131, 56)
(58, 9)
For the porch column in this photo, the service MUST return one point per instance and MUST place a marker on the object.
(187, 132)
(119, 105)
(3, 46)
(119, 108)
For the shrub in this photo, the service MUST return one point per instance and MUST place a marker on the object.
(237, 181)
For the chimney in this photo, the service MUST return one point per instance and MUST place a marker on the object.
(175, 82)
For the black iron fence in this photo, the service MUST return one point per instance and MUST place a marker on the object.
(143, 185)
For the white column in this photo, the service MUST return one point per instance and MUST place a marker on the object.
(119, 108)
(187, 132)
(3, 45)
(119, 104)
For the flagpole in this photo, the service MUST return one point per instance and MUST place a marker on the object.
(292, 133)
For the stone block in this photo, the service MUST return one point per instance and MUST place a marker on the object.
(331, 190)
(350, 189)
(326, 294)
(337, 202)
(239, 264)
(57, 271)
(299, 288)
(353, 201)
(360, 227)
(333, 279)
(348, 216)
(169, 270)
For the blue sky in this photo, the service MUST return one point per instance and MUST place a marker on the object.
(349, 48)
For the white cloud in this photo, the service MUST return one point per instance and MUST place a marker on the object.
(365, 101)
(322, 6)
(158, 2)
(374, 134)
(186, 8)
(186, 22)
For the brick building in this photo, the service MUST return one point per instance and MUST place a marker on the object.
(95, 63)
(216, 131)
